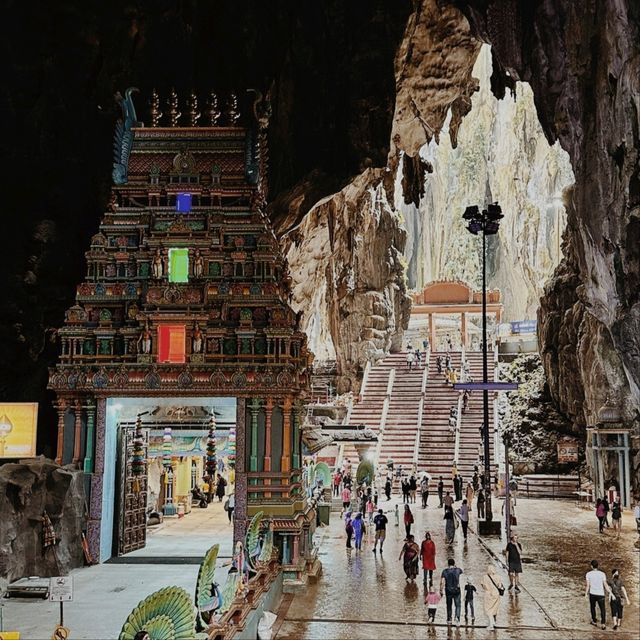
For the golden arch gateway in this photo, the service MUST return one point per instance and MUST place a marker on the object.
(186, 298)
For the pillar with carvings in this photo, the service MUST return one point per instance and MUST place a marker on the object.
(77, 433)
(90, 444)
(61, 408)
(285, 460)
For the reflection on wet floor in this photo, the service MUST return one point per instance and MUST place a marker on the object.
(364, 595)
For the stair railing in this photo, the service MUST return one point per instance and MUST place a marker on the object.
(365, 380)
(385, 411)
(416, 444)
(456, 449)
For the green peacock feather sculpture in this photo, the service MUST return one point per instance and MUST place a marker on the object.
(267, 546)
(252, 540)
(167, 614)
(229, 591)
(207, 594)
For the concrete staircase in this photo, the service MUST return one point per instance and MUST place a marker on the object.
(399, 436)
(437, 442)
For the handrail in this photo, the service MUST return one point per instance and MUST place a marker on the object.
(416, 444)
(456, 449)
(365, 380)
(383, 416)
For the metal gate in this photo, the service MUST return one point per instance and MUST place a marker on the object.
(131, 495)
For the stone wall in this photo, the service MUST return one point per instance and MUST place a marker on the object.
(27, 489)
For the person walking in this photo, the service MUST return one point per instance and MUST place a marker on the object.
(405, 490)
(448, 500)
(469, 590)
(469, 494)
(449, 524)
(616, 517)
(450, 586)
(380, 522)
(409, 359)
(221, 483)
(413, 487)
(458, 486)
(346, 498)
(337, 479)
(370, 510)
(480, 501)
(513, 552)
(408, 519)
(231, 505)
(439, 364)
(358, 530)
(605, 502)
(409, 554)
(600, 514)
(595, 591)
(424, 491)
(348, 528)
(440, 490)
(493, 591)
(463, 512)
(618, 592)
(431, 599)
(475, 481)
(387, 489)
(428, 557)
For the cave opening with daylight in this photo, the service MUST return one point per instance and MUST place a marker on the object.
(501, 156)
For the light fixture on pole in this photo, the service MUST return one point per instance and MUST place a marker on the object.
(486, 223)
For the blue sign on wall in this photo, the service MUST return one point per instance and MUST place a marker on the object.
(524, 326)
(183, 202)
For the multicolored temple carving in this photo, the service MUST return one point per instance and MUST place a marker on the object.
(187, 295)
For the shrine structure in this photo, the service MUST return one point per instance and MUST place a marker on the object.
(187, 296)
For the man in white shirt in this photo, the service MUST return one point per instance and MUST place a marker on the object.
(595, 591)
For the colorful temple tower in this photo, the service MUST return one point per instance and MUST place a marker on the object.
(187, 296)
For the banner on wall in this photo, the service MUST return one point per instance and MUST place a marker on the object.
(18, 427)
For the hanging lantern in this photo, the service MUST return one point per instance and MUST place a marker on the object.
(138, 462)
(232, 447)
(167, 447)
(211, 449)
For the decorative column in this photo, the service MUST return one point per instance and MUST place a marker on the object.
(432, 332)
(297, 422)
(77, 435)
(254, 407)
(296, 550)
(267, 443)
(91, 422)
(285, 460)
(62, 409)
(463, 328)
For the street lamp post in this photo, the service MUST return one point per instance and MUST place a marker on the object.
(486, 223)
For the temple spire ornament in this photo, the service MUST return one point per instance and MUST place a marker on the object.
(155, 113)
(233, 112)
(193, 113)
(213, 113)
(174, 111)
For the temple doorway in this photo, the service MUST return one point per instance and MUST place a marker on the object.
(159, 499)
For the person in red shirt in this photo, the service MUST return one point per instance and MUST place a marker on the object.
(408, 519)
(428, 557)
(337, 479)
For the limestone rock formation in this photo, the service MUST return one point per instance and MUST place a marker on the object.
(531, 419)
(348, 274)
(502, 154)
(27, 489)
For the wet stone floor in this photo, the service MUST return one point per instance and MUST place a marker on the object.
(363, 595)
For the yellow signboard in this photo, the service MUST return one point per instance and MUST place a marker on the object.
(18, 426)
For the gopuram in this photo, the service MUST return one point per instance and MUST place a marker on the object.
(186, 296)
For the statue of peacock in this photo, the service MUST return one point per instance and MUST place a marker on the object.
(167, 614)
(252, 540)
(208, 597)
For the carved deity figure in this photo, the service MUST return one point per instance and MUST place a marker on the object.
(156, 265)
(198, 265)
(144, 341)
(196, 346)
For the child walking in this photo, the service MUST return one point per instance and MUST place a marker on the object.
(370, 510)
(431, 599)
(468, 601)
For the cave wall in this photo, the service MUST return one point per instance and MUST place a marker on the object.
(582, 61)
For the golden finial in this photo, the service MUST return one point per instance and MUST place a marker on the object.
(194, 114)
(232, 109)
(174, 112)
(213, 113)
(156, 114)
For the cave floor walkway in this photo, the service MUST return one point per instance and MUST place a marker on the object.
(363, 595)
